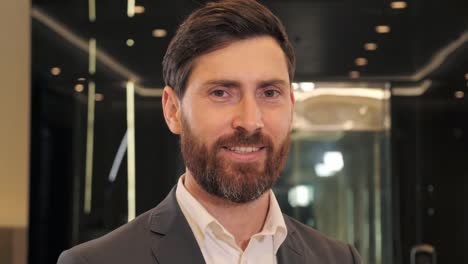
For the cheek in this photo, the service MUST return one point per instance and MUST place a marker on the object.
(279, 124)
(208, 124)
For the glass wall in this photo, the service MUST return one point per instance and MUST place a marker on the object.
(337, 178)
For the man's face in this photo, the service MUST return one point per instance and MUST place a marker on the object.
(236, 117)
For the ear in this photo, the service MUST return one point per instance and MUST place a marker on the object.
(171, 110)
(293, 102)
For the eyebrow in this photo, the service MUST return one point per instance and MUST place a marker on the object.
(233, 83)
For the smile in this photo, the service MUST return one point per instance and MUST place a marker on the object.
(244, 153)
(244, 149)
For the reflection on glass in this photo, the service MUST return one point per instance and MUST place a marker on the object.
(92, 56)
(89, 148)
(336, 178)
(92, 10)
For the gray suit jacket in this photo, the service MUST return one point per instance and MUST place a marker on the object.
(163, 236)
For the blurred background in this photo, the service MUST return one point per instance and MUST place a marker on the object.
(379, 154)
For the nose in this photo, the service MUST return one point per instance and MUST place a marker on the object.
(248, 115)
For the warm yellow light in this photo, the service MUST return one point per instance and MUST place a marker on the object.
(382, 29)
(130, 8)
(131, 205)
(139, 9)
(89, 149)
(55, 71)
(92, 10)
(370, 46)
(130, 42)
(360, 61)
(459, 94)
(159, 33)
(79, 88)
(354, 74)
(398, 4)
(99, 97)
(92, 56)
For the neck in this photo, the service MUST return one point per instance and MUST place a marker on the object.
(232, 215)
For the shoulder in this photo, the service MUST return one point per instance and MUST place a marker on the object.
(317, 244)
(118, 246)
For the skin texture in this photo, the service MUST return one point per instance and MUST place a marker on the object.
(241, 88)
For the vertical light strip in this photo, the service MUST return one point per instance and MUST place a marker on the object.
(92, 56)
(377, 197)
(89, 148)
(92, 10)
(131, 8)
(131, 150)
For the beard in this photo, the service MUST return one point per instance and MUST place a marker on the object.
(238, 182)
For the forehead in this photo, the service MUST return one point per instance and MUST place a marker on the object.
(245, 61)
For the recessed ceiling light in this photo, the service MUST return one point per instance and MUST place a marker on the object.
(459, 94)
(370, 46)
(159, 33)
(99, 97)
(130, 42)
(55, 71)
(81, 79)
(382, 29)
(360, 61)
(139, 9)
(354, 74)
(79, 88)
(398, 4)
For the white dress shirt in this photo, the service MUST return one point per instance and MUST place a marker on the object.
(218, 246)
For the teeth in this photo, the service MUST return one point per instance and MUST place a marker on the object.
(243, 149)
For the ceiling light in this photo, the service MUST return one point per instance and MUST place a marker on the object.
(466, 76)
(99, 97)
(370, 46)
(398, 4)
(130, 42)
(459, 94)
(307, 86)
(81, 79)
(295, 86)
(79, 88)
(159, 33)
(55, 71)
(354, 74)
(360, 61)
(382, 29)
(139, 9)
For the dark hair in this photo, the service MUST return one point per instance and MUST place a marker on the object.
(214, 26)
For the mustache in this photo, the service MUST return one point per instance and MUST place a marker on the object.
(240, 138)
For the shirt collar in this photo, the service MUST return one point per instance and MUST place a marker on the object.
(274, 223)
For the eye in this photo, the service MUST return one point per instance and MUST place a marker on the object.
(219, 93)
(271, 93)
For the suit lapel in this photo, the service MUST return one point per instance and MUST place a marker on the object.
(291, 251)
(173, 240)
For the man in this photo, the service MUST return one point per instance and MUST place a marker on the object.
(228, 74)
